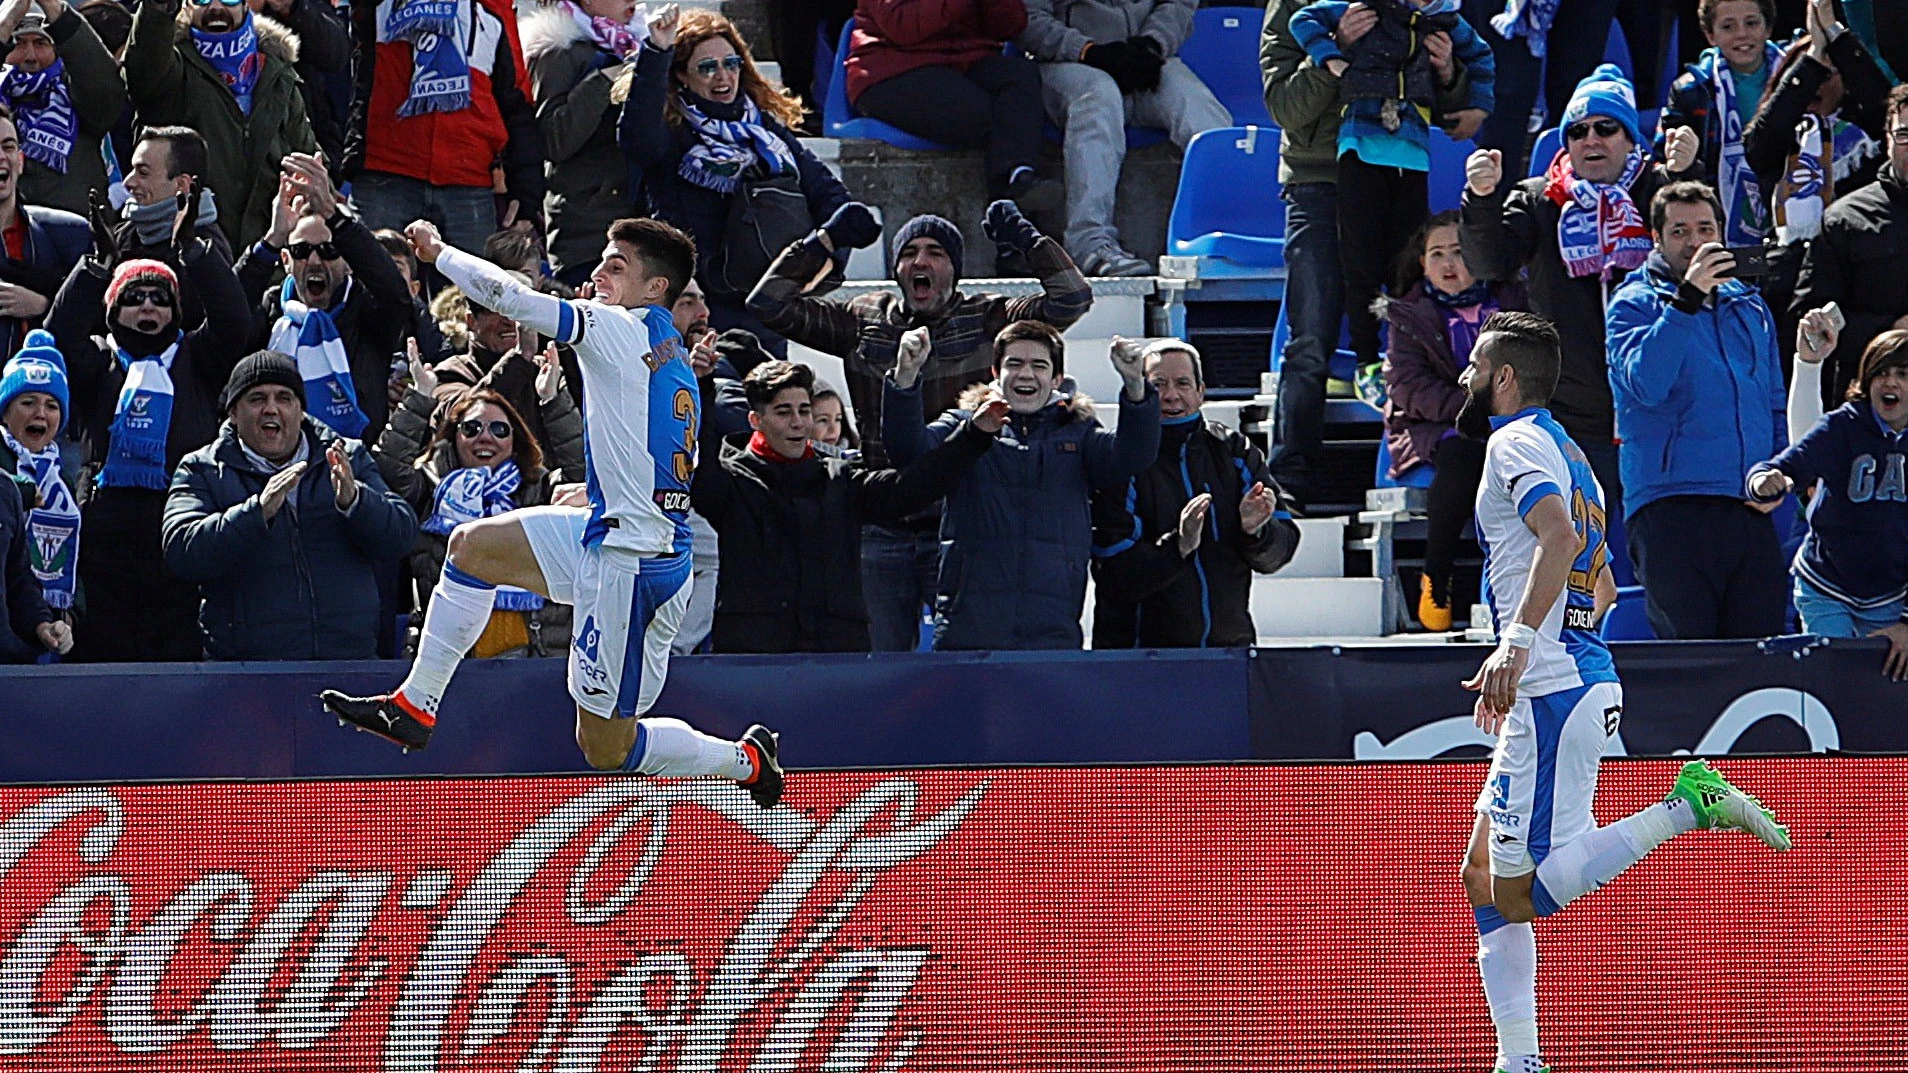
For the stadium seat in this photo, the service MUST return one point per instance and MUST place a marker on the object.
(1418, 476)
(1627, 620)
(1228, 203)
(1545, 150)
(1344, 363)
(839, 118)
(1223, 51)
(1447, 170)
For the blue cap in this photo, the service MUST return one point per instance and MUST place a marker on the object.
(37, 367)
(1606, 93)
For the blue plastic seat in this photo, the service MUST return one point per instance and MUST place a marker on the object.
(1342, 365)
(839, 118)
(1627, 620)
(1447, 170)
(1228, 203)
(1223, 51)
(1418, 476)
(1545, 150)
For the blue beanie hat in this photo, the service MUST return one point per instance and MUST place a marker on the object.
(1607, 93)
(37, 367)
(936, 228)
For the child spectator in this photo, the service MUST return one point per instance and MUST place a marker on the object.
(34, 404)
(832, 428)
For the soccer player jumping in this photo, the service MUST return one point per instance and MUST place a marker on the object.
(622, 562)
(1550, 690)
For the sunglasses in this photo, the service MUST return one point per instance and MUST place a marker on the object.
(472, 428)
(209, 3)
(134, 297)
(707, 68)
(1605, 128)
(302, 250)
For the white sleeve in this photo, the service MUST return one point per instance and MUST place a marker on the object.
(1523, 470)
(1805, 398)
(494, 288)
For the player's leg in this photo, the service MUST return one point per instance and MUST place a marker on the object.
(1506, 951)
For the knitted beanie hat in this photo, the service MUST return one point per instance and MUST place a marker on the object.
(934, 227)
(141, 271)
(261, 367)
(40, 367)
(1607, 93)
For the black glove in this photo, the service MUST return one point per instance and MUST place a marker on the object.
(105, 245)
(1126, 64)
(1005, 225)
(852, 227)
(1150, 57)
(185, 225)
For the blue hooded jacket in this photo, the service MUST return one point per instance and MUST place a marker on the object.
(1699, 394)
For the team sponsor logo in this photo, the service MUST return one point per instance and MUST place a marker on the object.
(673, 501)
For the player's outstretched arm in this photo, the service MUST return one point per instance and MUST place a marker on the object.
(492, 287)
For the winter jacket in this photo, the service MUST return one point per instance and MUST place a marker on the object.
(1857, 262)
(1514, 229)
(1018, 529)
(1422, 396)
(324, 48)
(1692, 102)
(446, 148)
(199, 370)
(171, 84)
(1145, 594)
(371, 315)
(865, 332)
(1698, 387)
(893, 37)
(413, 467)
(1769, 140)
(22, 606)
(655, 149)
(586, 181)
(1389, 64)
(790, 577)
(557, 428)
(301, 586)
(55, 242)
(1857, 547)
(1303, 99)
(1059, 31)
(98, 93)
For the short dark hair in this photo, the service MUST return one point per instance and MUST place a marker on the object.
(1408, 267)
(665, 251)
(397, 246)
(771, 378)
(1687, 192)
(1706, 12)
(1530, 345)
(185, 149)
(514, 248)
(1038, 331)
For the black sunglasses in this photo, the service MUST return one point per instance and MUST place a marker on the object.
(1605, 128)
(707, 68)
(302, 250)
(471, 428)
(134, 297)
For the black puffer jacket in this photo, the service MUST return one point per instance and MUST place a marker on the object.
(587, 183)
(1391, 56)
(1146, 595)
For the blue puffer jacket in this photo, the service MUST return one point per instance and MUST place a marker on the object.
(301, 585)
(1017, 533)
(1699, 395)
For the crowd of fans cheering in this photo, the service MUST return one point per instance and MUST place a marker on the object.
(242, 420)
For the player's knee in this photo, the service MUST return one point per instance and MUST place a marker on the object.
(603, 755)
(1477, 881)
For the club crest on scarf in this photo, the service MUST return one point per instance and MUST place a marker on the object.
(475, 492)
(440, 71)
(43, 110)
(136, 439)
(53, 523)
(311, 338)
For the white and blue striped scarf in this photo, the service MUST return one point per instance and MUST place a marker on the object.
(54, 524)
(312, 339)
(726, 149)
(136, 440)
(440, 72)
(43, 107)
(1528, 19)
(1745, 213)
(466, 495)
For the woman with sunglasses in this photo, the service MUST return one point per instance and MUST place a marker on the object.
(478, 460)
(700, 123)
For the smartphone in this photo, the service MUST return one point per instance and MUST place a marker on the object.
(1834, 313)
(1751, 261)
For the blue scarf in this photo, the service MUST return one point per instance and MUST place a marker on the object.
(54, 524)
(440, 74)
(136, 440)
(466, 495)
(1528, 19)
(311, 338)
(725, 149)
(43, 107)
(1746, 215)
(235, 56)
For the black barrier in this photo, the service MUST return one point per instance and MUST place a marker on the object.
(1787, 695)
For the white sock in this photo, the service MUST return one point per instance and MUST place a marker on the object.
(1507, 959)
(673, 749)
(1584, 864)
(459, 610)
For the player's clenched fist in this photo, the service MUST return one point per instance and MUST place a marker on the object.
(425, 242)
(1483, 171)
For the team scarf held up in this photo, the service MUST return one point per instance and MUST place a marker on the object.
(1746, 214)
(1600, 231)
(136, 439)
(726, 149)
(311, 338)
(475, 492)
(235, 56)
(440, 71)
(617, 38)
(1828, 150)
(1528, 19)
(53, 525)
(43, 108)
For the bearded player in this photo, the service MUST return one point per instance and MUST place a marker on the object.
(1550, 690)
(623, 561)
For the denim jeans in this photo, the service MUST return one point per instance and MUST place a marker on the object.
(900, 570)
(467, 215)
(1315, 306)
(1825, 616)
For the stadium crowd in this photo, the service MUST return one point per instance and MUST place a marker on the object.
(242, 419)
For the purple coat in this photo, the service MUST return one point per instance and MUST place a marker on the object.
(1421, 373)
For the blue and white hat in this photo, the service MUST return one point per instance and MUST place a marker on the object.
(1607, 93)
(40, 367)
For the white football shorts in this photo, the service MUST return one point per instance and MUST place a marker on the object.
(1543, 777)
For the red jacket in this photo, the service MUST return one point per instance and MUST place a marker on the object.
(446, 148)
(893, 37)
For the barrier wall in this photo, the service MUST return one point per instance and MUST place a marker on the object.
(1136, 920)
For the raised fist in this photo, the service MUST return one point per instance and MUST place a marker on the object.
(1483, 171)
(911, 357)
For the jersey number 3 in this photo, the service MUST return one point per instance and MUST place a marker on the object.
(685, 410)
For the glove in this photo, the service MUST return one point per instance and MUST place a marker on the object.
(1121, 60)
(1005, 225)
(852, 227)
(185, 233)
(105, 245)
(1149, 57)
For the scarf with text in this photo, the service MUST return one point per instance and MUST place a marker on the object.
(235, 56)
(440, 72)
(1746, 214)
(43, 109)
(1600, 229)
(53, 525)
(136, 440)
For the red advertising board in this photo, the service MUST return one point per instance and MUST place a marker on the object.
(1129, 919)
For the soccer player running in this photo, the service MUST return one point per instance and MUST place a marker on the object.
(623, 561)
(1550, 690)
